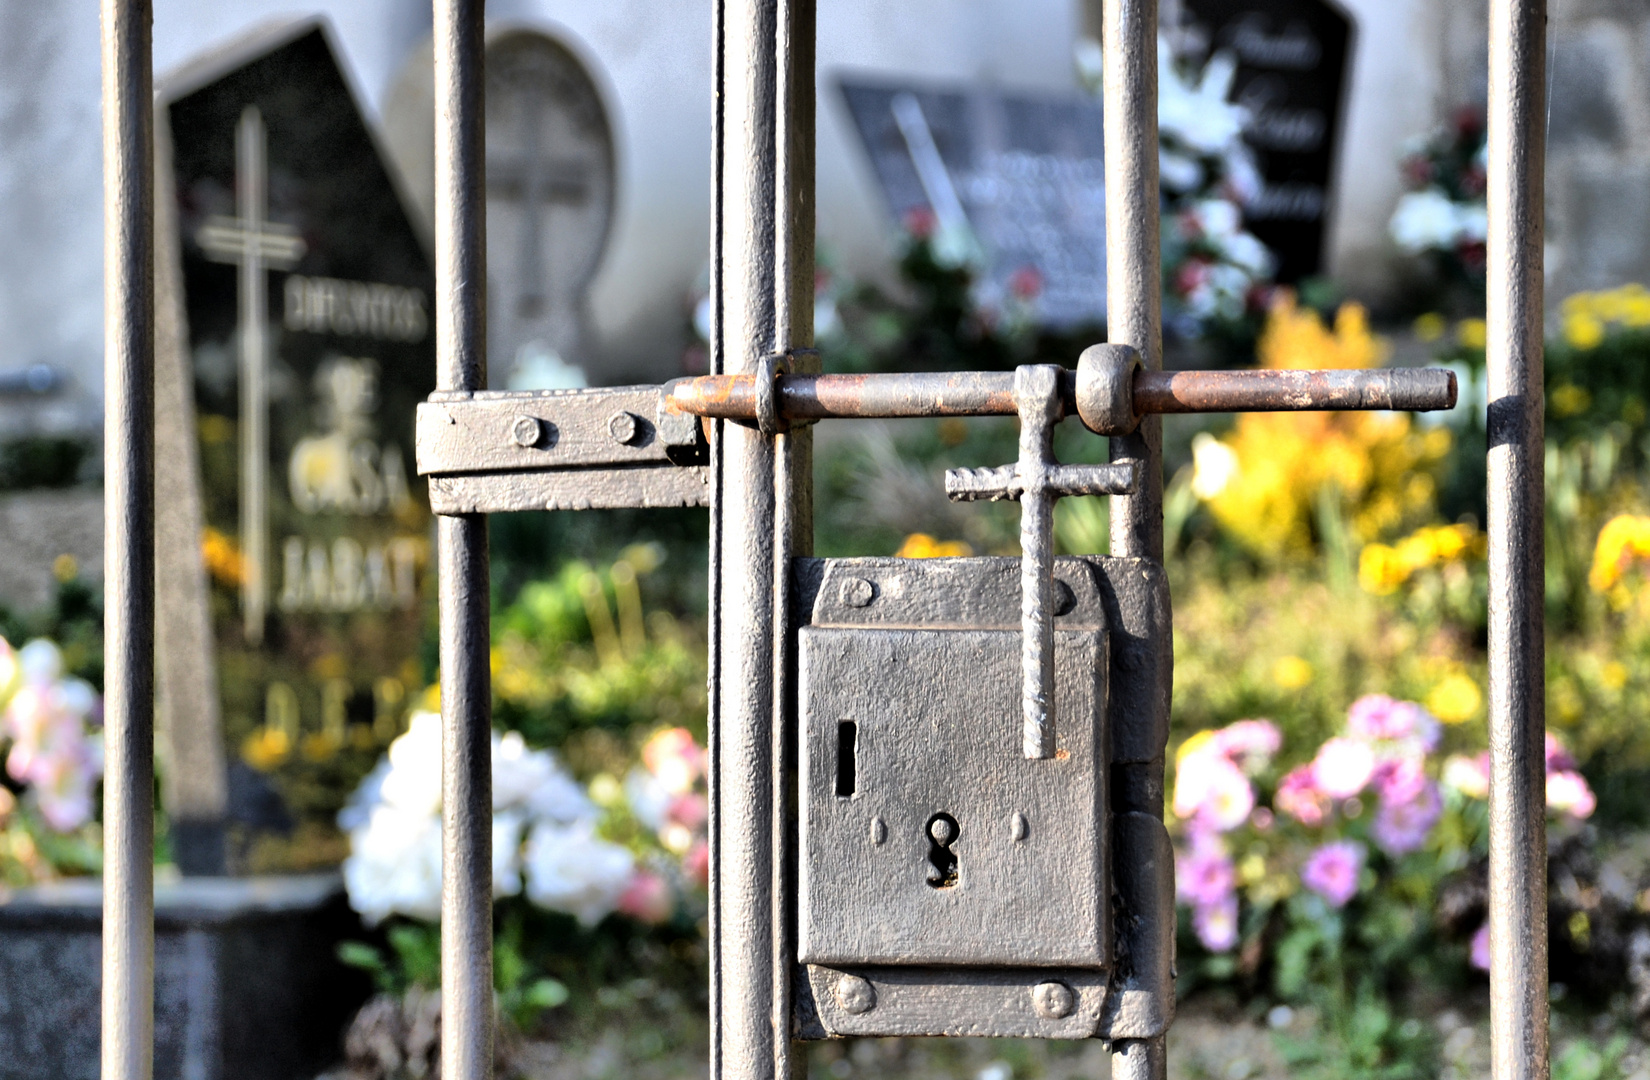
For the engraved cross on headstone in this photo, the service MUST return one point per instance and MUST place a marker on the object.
(534, 181)
(256, 245)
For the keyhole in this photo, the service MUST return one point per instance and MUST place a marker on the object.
(942, 833)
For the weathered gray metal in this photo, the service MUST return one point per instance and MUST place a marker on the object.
(1515, 521)
(1141, 1005)
(129, 544)
(908, 706)
(991, 393)
(491, 452)
(466, 698)
(1036, 482)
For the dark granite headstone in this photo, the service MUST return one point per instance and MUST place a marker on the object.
(1024, 173)
(1292, 60)
(296, 341)
(247, 983)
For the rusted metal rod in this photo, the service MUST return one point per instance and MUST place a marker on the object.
(991, 393)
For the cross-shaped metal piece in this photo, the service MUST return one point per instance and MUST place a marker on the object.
(1036, 481)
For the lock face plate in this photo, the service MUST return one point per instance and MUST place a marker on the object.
(909, 707)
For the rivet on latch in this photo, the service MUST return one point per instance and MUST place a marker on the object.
(526, 431)
(879, 830)
(857, 592)
(856, 995)
(1017, 827)
(623, 427)
(1052, 1000)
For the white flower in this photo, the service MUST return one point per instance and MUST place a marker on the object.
(649, 797)
(1213, 465)
(1343, 766)
(1426, 220)
(40, 661)
(394, 865)
(534, 780)
(570, 869)
(507, 830)
(413, 783)
(1472, 221)
(1246, 252)
(1178, 172)
(1197, 113)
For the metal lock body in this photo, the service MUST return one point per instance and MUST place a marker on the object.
(947, 883)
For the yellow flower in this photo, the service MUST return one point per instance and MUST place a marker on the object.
(1455, 698)
(224, 561)
(1568, 400)
(1252, 870)
(64, 567)
(1623, 539)
(319, 746)
(923, 546)
(1584, 331)
(1380, 570)
(1614, 675)
(266, 748)
(1473, 333)
(1430, 327)
(1291, 672)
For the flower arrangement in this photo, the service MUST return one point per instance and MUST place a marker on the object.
(1265, 480)
(1442, 217)
(637, 848)
(1372, 819)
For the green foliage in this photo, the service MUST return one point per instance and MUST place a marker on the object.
(42, 462)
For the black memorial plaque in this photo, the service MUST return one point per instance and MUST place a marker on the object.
(1292, 61)
(1026, 172)
(307, 295)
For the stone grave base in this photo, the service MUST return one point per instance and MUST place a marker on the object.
(247, 982)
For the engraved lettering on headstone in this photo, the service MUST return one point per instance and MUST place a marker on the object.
(256, 245)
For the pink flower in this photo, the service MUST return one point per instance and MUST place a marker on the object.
(1468, 775)
(1216, 924)
(1399, 780)
(1248, 743)
(1558, 758)
(1332, 871)
(1212, 790)
(1402, 827)
(62, 788)
(674, 758)
(696, 863)
(1481, 948)
(1343, 767)
(1204, 875)
(690, 810)
(1026, 282)
(647, 897)
(1568, 793)
(1378, 718)
(1299, 797)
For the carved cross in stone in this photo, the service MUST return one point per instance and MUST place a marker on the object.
(534, 181)
(256, 245)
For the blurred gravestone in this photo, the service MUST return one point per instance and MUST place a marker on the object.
(294, 342)
(1292, 60)
(549, 205)
(1021, 175)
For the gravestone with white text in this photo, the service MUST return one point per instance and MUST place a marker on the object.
(1020, 175)
(1292, 63)
(296, 339)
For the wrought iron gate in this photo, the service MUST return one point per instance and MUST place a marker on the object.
(739, 441)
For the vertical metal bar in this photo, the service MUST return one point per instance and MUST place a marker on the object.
(1518, 836)
(753, 1039)
(793, 460)
(129, 531)
(714, 630)
(1134, 316)
(466, 695)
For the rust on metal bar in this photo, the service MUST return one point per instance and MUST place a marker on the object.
(1404, 389)
(991, 393)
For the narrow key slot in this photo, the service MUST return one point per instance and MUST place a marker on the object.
(847, 748)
